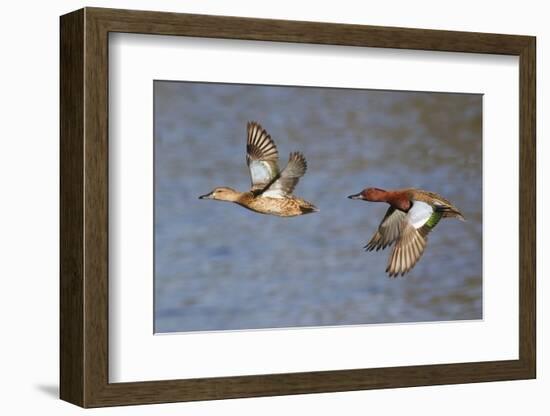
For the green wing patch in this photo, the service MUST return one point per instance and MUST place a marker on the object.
(434, 219)
(431, 223)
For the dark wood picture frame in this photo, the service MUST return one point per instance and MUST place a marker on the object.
(84, 207)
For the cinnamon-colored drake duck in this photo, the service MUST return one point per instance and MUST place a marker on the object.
(271, 191)
(412, 214)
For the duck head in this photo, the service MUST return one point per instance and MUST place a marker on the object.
(222, 193)
(397, 199)
(371, 194)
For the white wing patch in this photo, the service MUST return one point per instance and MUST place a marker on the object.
(277, 193)
(419, 214)
(260, 172)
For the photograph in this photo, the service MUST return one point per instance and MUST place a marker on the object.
(294, 207)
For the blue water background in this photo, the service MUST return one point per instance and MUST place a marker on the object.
(221, 267)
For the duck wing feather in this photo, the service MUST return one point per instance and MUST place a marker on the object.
(261, 156)
(388, 230)
(412, 237)
(407, 251)
(283, 184)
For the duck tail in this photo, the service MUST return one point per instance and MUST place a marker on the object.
(308, 209)
(452, 212)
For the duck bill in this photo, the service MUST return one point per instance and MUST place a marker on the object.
(206, 196)
(356, 196)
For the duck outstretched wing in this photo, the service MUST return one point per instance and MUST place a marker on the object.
(284, 184)
(407, 251)
(412, 237)
(388, 231)
(261, 156)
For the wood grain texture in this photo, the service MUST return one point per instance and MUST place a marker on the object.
(84, 207)
(96, 208)
(162, 23)
(527, 208)
(71, 100)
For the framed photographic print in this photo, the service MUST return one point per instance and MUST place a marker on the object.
(255, 207)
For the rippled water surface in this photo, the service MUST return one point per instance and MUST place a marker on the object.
(220, 267)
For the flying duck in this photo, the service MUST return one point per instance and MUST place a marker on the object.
(271, 190)
(412, 214)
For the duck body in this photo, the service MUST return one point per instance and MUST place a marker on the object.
(290, 206)
(283, 207)
(412, 215)
(271, 191)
